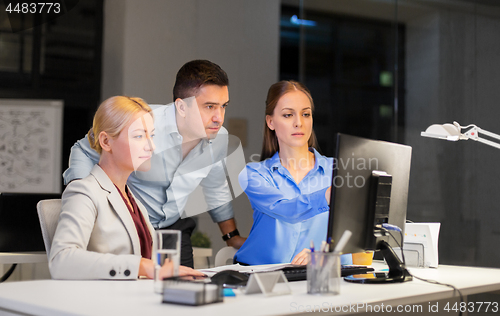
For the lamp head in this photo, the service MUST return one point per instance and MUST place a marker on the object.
(451, 132)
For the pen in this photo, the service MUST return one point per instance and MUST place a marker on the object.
(323, 245)
(343, 241)
(311, 247)
(325, 249)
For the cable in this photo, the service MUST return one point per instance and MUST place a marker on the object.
(387, 228)
(444, 284)
(401, 246)
(391, 227)
(8, 273)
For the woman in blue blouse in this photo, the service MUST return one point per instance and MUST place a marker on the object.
(289, 190)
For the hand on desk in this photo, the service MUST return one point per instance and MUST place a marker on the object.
(183, 271)
(302, 257)
(147, 269)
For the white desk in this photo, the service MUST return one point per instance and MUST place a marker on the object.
(41, 256)
(51, 297)
(21, 257)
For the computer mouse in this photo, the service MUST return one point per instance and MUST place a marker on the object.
(229, 277)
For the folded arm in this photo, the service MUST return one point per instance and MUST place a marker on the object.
(267, 198)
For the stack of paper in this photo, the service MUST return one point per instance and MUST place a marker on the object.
(248, 269)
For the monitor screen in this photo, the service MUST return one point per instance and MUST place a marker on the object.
(19, 224)
(351, 207)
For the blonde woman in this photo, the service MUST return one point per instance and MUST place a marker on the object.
(103, 230)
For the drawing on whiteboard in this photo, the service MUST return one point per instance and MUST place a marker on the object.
(28, 148)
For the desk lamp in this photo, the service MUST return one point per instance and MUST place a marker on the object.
(453, 132)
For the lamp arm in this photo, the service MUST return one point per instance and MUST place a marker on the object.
(474, 133)
(490, 134)
(487, 142)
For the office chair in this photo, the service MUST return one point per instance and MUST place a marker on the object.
(223, 255)
(48, 213)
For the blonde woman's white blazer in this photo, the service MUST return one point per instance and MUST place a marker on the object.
(96, 236)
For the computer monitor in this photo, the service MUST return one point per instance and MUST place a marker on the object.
(19, 224)
(369, 189)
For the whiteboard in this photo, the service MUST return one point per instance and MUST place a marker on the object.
(30, 145)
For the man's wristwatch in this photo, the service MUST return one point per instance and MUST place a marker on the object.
(230, 235)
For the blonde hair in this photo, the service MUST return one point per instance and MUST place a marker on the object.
(270, 144)
(112, 116)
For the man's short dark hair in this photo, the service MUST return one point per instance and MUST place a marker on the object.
(194, 74)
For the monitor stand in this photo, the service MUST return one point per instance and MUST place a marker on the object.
(397, 271)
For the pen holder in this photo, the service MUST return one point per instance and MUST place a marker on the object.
(323, 273)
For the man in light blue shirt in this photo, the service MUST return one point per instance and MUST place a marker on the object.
(190, 147)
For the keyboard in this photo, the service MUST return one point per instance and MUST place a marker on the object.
(300, 273)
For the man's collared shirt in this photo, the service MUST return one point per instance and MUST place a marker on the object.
(165, 188)
(287, 215)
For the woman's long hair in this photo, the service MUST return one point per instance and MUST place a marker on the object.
(270, 144)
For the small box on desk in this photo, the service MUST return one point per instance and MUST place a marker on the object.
(180, 291)
(421, 244)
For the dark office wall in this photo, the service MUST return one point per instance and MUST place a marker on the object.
(58, 59)
(453, 74)
(345, 59)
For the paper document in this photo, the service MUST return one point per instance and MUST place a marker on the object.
(426, 234)
(248, 269)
